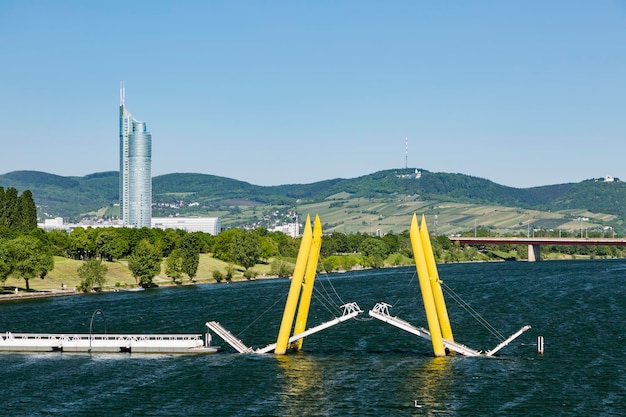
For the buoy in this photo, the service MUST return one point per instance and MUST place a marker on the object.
(540, 345)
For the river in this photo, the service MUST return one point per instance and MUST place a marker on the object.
(362, 367)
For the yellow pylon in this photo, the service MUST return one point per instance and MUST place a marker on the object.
(435, 283)
(294, 290)
(425, 287)
(309, 279)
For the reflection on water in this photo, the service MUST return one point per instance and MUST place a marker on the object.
(430, 384)
(303, 387)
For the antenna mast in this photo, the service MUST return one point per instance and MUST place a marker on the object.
(406, 154)
(122, 93)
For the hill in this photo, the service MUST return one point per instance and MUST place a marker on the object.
(367, 199)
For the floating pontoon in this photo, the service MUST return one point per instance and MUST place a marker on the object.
(107, 343)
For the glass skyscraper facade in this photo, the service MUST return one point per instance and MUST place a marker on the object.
(135, 170)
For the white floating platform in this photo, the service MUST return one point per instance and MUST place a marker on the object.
(106, 343)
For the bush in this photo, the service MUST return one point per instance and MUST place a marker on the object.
(329, 264)
(250, 273)
(230, 272)
(397, 260)
(281, 268)
(218, 276)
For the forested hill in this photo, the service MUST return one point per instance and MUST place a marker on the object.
(70, 197)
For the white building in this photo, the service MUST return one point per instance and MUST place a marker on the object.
(210, 225)
(290, 229)
(49, 224)
(58, 224)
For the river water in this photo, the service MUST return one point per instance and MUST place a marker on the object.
(361, 367)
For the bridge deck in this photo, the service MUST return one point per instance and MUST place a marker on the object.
(538, 241)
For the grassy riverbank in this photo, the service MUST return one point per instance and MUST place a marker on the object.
(65, 275)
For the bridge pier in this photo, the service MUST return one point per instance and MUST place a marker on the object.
(534, 252)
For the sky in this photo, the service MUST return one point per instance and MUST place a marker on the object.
(522, 93)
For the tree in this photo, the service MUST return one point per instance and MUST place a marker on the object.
(354, 241)
(109, 244)
(18, 213)
(206, 241)
(341, 242)
(144, 263)
(286, 244)
(375, 251)
(224, 243)
(122, 245)
(6, 261)
(269, 247)
(329, 246)
(246, 249)
(189, 247)
(79, 244)
(125, 241)
(26, 214)
(174, 265)
(92, 274)
(105, 246)
(30, 258)
(171, 237)
(137, 235)
(392, 241)
(9, 207)
(59, 242)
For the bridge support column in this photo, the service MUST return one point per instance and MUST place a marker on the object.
(534, 252)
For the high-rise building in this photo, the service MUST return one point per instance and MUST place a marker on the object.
(135, 169)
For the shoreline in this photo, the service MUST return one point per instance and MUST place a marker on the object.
(23, 295)
(38, 294)
(47, 293)
(27, 295)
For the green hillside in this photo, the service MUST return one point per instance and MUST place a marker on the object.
(381, 200)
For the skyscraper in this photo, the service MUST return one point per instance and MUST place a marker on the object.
(135, 169)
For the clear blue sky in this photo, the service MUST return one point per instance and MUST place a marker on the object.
(523, 93)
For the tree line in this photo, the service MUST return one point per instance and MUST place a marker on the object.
(27, 252)
(18, 213)
(22, 253)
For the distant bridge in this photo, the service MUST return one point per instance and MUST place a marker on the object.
(534, 243)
